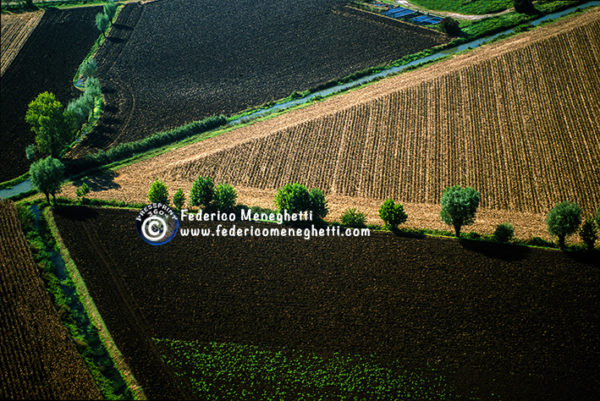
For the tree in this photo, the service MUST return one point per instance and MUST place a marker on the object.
(79, 110)
(353, 218)
(51, 125)
(47, 176)
(225, 197)
(564, 220)
(588, 233)
(294, 198)
(504, 232)
(110, 9)
(179, 199)
(598, 217)
(450, 26)
(30, 152)
(89, 68)
(523, 6)
(459, 206)
(318, 203)
(203, 191)
(392, 214)
(82, 191)
(158, 192)
(102, 23)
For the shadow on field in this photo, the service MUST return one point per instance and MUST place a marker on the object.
(586, 257)
(100, 182)
(115, 40)
(496, 250)
(122, 27)
(79, 213)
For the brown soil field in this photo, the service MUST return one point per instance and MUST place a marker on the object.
(516, 119)
(38, 358)
(517, 322)
(46, 62)
(14, 31)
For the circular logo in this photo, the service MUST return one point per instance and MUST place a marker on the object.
(157, 224)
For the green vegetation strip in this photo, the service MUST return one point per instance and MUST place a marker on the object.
(229, 371)
(77, 310)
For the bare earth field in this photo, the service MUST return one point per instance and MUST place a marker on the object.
(517, 120)
(173, 62)
(38, 358)
(516, 322)
(15, 29)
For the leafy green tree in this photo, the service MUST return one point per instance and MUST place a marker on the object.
(450, 26)
(30, 152)
(102, 22)
(89, 68)
(52, 127)
(179, 199)
(294, 198)
(392, 214)
(47, 176)
(504, 232)
(353, 218)
(158, 192)
(225, 197)
(79, 110)
(203, 191)
(563, 220)
(588, 233)
(318, 203)
(598, 218)
(459, 206)
(110, 9)
(523, 6)
(82, 191)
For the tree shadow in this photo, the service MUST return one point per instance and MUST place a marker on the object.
(586, 257)
(100, 181)
(122, 27)
(76, 212)
(115, 40)
(496, 250)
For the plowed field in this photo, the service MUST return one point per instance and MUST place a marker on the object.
(517, 120)
(47, 62)
(39, 360)
(15, 30)
(185, 60)
(520, 323)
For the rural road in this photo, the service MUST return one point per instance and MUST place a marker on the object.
(471, 17)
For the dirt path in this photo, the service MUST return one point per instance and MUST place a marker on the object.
(470, 17)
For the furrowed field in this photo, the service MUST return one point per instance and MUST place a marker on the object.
(379, 317)
(39, 360)
(47, 62)
(16, 28)
(184, 61)
(517, 120)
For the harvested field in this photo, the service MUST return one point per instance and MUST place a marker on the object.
(39, 360)
(185, 60)
(47, 62)
(15, 29)
(517, 322)
(527, 139)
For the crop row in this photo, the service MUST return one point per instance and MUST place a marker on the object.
(38, 358)
(521, 127)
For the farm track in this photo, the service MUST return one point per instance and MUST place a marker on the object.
(38, 358)
(526, 138)
(14, 31)
(228, 66)
(453, 305)
(47, 62)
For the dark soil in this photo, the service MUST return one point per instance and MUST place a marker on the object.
(183, 60)
(517, 322)
(47, 62)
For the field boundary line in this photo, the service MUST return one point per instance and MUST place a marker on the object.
(93, 312)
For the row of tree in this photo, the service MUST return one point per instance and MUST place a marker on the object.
(104, 19)
(458, 208)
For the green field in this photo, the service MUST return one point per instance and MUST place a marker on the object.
(466, 6)
(241, 372)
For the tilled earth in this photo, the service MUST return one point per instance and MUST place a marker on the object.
(517, 322)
